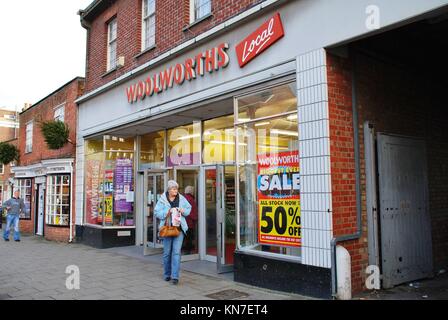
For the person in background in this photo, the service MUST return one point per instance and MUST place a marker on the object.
(14, 207)
(172, 246)
(192, 220)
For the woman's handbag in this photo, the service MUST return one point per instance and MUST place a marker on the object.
(167, 230)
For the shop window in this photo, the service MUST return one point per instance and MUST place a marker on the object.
(112, 45)
(268, 173)
(58, 200)
(219, 140)
(267, 103)
(199, 9)
(152, 149)
(59, 114)
(184, 145)
(149, 24)
(110, 181)
(24, 187)
(29, 138)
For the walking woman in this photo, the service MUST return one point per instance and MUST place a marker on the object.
(172, 245)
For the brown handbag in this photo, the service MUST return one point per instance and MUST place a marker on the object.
(167, 230)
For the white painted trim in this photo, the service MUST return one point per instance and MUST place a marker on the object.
(171, 53)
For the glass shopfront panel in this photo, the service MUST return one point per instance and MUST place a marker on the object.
(184, 145)
(277, 100)
(109, 181)
(268, 174)
(24, 186)
(219, 140)
(152, 149)
(58, 200)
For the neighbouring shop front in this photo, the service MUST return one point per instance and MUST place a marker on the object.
(46, 189)
(247, 128)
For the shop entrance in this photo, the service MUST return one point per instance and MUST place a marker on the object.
(211, 191)
(39, 210)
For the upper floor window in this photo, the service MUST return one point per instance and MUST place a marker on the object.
(29, 138)
(59, 113)
(199, 9)
(112, 44)
(2, 168)
(149, 24)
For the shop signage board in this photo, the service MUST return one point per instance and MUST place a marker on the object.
(175, 75)
(265, 36)
(278, 187)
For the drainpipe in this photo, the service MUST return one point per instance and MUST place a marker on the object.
(71, 205)
(358, 233)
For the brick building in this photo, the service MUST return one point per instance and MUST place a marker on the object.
(9, 126)
(43, 176)
(301, 131)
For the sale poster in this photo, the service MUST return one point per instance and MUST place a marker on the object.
(278, 187)
(123, 184)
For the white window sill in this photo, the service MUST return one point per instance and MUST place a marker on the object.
(145, 51)
(191, 25)
(109, 72)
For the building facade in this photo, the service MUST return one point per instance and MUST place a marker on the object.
(267, 110)
(9, 127)
(45, 177)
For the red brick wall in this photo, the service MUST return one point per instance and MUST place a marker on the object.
(42, 112)
(171, 18)
(397, 101)
(45, 111)
(343, 166)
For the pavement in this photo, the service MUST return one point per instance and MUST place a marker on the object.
(36, 269)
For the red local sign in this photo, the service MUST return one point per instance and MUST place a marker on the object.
(265, 36)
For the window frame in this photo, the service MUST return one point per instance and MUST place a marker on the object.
(145, 20)
(58, 117)
(23, 185)
(50, 204)
(194, 9)
(237, 125)
(112, 63)
(29, 137)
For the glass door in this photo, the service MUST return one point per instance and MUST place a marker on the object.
(225, 218)
(220, 216)
(154, 186)
(188, 179)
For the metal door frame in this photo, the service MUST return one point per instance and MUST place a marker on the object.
(195, 168)
(40, 189)
(219, 259)
(147, 246)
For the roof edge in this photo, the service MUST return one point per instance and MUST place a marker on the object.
(49, 95)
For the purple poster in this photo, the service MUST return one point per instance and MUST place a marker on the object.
(123, 185)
